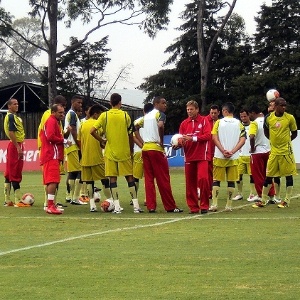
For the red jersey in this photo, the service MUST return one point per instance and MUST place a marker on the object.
(200, 130)
(52, 141)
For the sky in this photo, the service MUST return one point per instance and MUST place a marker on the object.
(130, 46)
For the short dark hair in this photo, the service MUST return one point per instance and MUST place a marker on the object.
(76, 97)
(254, 108)
(244, 110)
(215, 106)
(229, 107)
(115, 99)
(157, 99)
(148, 107)
(96, 108)
(59, 99)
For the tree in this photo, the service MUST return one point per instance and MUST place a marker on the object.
(17, 56)
(81, 70)
(203, 52)
(276, 56)
(150, 15)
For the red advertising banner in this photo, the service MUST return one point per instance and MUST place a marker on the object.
(31, 155)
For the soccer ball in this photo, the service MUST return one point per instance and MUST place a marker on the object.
(271, 95)
(97, 196)
(177, 140)
(28, 198)
(107, 205)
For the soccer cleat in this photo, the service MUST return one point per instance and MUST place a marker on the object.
(251, 198)
(68, 200)
(203, 211)
(213, 208)
(152, 211)
(77, 202)
(175, 210)
(93, 209)
(238, 197)
(283, 204)
(84, 198)
(131, 202)
(259, 204)
(53, 210)
(21, 204)
(228, 208)
(60, 205)
(254, 199)
(115, 211)
(138, 211)
(10, 203)
(273, 200)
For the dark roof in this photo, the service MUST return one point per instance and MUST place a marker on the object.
(29, 96)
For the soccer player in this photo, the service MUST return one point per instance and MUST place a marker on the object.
(154, 158)
(118, 151)
(260, 151)
(138, 168)
(14, 130)
(52, 154)
(92, 161)
(280, 128)
(71, 129)
(59, 99)
(196, 132)
(244, 159)
(229, 136)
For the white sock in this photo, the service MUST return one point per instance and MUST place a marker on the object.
(135, 203)
(117, 204)
(92, 203)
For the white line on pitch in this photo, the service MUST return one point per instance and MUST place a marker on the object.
(110, 231)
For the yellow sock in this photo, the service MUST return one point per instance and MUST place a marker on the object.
(240, 187)
(252, 189)
(215, 195)
(7, 188)
(289, 190)
(17, 195)
(230, 191)
(77, 189)
(264, 194)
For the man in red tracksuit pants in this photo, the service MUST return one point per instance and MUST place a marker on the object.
(196, 132)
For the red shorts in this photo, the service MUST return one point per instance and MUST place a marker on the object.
(14, 164)
(51, 172)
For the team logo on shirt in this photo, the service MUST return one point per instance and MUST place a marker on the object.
(277, 125)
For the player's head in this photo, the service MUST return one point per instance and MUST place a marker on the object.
(214, 112)
(13, 105)
(228, 109)
(192, 109)
(244, 116)
(59, 99)
(254, 111)
(160, 103)
(58, 111)
(280, 105)
(148, 107)
(95, 111)
(115, 99)
(76, 103)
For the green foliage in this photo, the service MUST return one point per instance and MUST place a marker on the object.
(245, 254)
(81, 70)
(242, 68)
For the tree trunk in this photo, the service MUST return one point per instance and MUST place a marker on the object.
(52, 49)
(205, 57)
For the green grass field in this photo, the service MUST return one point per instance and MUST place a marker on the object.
(245, 254)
